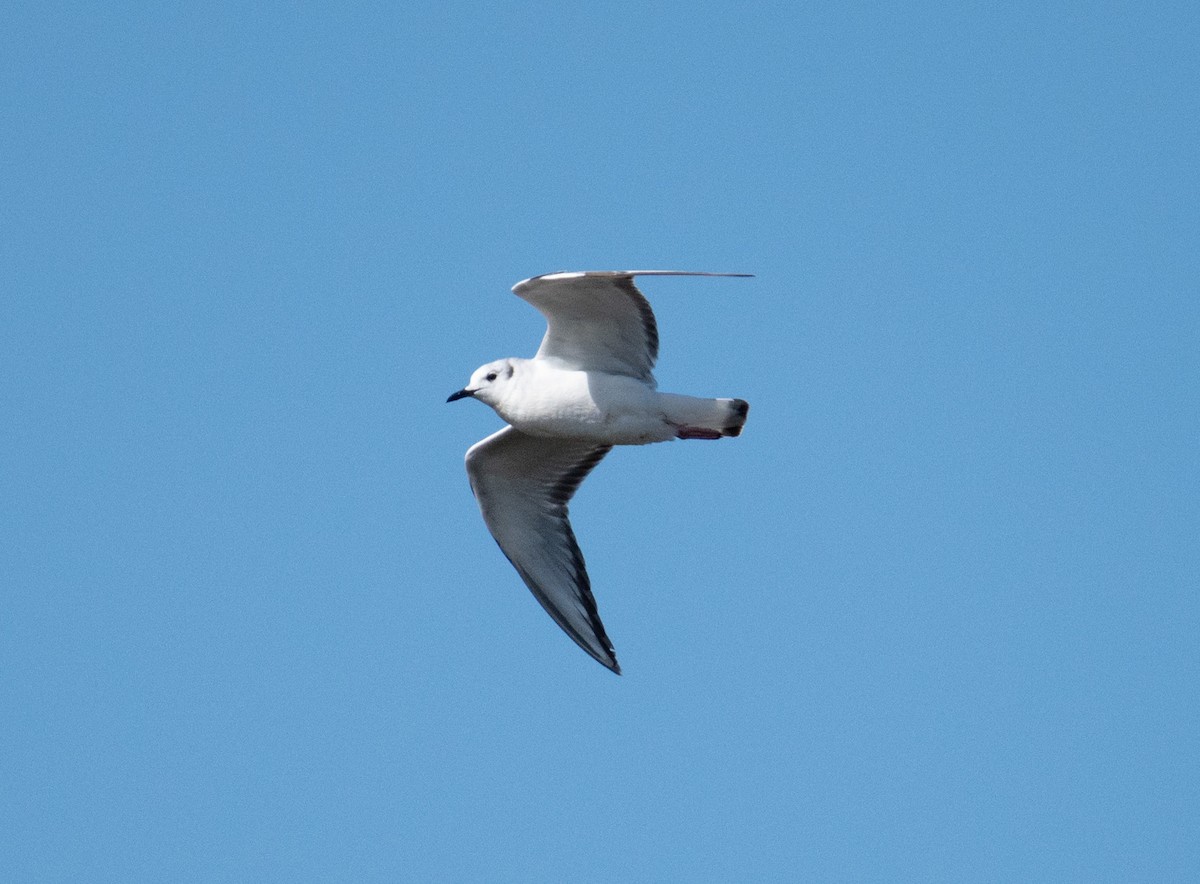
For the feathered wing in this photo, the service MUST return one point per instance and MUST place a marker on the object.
(597, 320)
(523, 485)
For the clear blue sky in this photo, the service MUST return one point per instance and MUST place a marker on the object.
(934, 617)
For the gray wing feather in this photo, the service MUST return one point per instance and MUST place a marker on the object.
(523, 485)
(597, 320)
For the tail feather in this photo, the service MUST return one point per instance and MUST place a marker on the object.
(738, 409)
(705, 418)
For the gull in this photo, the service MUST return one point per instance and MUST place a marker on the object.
(589, 387)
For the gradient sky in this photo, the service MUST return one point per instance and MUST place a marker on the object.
(933, 617)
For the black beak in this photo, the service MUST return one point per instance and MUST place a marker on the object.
(460, 394)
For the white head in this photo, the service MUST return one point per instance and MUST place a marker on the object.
(489, 383)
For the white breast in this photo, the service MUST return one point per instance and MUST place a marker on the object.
(614, 409)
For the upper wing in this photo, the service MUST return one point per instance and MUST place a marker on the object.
(597, 320)
(523, 484)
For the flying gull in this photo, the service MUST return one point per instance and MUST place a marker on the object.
(589, 387)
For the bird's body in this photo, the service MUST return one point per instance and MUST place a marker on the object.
(589, 387)
(544, 399)
(554, 401)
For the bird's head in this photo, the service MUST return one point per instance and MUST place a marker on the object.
(488, 383)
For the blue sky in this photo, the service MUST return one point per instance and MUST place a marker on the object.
(934, 616)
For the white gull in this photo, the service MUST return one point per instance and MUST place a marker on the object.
(589, 387)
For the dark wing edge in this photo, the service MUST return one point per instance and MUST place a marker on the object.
(649, 323)
(607, 656)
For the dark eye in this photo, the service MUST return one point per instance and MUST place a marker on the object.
(491, 376)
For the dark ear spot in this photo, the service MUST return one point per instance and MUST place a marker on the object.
(509, 373)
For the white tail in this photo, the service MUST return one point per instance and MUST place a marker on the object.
(704, 418)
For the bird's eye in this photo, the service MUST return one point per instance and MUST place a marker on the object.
(491, 376)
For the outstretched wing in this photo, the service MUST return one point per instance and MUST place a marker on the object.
(597, 320)
(523, 484)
